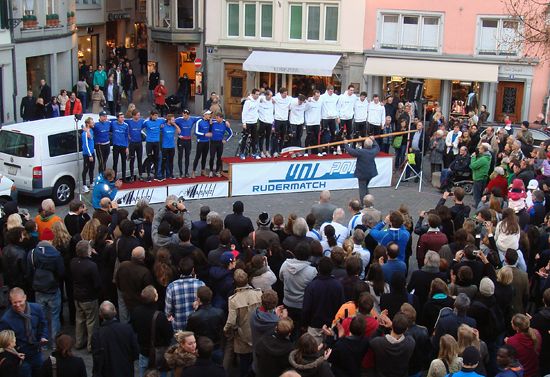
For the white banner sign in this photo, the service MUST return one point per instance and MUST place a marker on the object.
(152, 194)
(203, 190)
(277, 177)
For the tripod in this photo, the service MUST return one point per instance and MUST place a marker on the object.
(407, 165)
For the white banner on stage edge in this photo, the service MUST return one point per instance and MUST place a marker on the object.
(203, 190)
(152, 194)
(277, 177)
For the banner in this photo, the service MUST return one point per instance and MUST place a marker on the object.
(152, 194)
(278, 177)
(203, 190)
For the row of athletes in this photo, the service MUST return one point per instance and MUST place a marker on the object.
(327, 117)
(162, 136)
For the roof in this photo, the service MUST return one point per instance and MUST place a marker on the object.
(51, 125)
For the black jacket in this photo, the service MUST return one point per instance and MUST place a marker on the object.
(322, 298)
(141, 320)
(431, 310)
(347, 355)
(129, 82)
(541, 322)
(71, 366)
(488, 317)
(421, 356)
(271, 355)
(420, 282)
(75, 223)
(45, 93)
(239, 225)
(154, 78)
(365, 168)
(27, 109)
(86, 279)
(204, 368)
(114, 350)
(14, 265)
(207, 321)
(392, 359)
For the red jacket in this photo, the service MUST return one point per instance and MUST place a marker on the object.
(498, 182)
(160, 93)
(429, 241)
(77, 108)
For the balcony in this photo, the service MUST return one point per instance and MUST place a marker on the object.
(34, 31)
(170, 35)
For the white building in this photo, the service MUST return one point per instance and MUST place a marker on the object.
(7, 109)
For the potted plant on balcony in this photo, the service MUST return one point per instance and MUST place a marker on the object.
(70, 18)
(30, 21)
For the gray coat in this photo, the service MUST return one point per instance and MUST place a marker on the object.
(438, 151)
(365, 168)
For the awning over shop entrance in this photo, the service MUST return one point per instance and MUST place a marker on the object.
(432, 69)
(291, 62)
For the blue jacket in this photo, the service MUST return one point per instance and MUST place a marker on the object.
(46, 257)
(168, 134)
(202, 127)
(186, 126)
(39, 325)
(391, 267)
(120, 133)
(152, 129)
(385, 236)
(322, 299)
(221, 280)
(101, 132)
(134, 130)
(87, 144)
(219, 130)
(103, 188)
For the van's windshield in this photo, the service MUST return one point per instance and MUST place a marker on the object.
(16, 144)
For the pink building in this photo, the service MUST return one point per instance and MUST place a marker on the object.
(459, 52)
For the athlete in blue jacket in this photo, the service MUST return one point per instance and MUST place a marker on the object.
(102, 136)
(202, 130)
(169, 130)
(152, 142)
(185, 123)
(88, 158)
(121, 136)
(136, 144)
(105, 186)
(220, 127)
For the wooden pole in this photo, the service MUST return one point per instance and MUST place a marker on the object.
(297, 149)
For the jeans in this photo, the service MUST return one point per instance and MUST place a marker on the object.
(31, 366)
(87, 319)
(252, 133)
(184, 149)
(83, 97)
(123, 315)
(51, 306)
(279, 133)
(143, 364)
(446, 175)
(167, 168)
(363, 188)
(400, 156)
(479, 186)
(130, 95)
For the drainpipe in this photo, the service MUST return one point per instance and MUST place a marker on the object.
(204, 57)
(15, 112)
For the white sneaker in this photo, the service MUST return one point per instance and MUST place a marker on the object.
(257, 157)
(305, 154)
(339, 150)
(85, 189)
(268, 155)
(320, 154)
(324, 153)
(276, 154)
(262, 155)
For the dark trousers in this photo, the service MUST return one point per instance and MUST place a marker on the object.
(363, 187)
(216, 152)
(112, 107)
(374, 129)
(136, 150)
(88, 169)
(279, 134)
(119, 151)
(330, 126)
(360, 129)
(31, 366)
(479, 186)
(252, 133)
(152, 150)
(184, 148)
(264, 136)
(201, 153)
(295, 135)
(312, 136)
(167, 166)
(296, 315)
(102, 152)
(346, 128)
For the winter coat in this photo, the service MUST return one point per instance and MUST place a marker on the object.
(262, 237)
(39, 328)
(98, 101)
(14, 265)
(448, 323)
(431, 240)
(141, 320)
(438, 151)
(264, 280)
(160, 93)
(271, 355)
(207, 321)
(70, 366)
(86, 279)
(45, 257)
(421, 356)
(177, 359)
(431, 309)
(204, 368)
(527, 355)
(73, 108)
(322, 299)
(296, 275)
(541, 322)
(241, 306)
(261, 323)
(391, 356)
(310, 366)
(239, 225)
(131, 277)
(480, 166)
(420, 282)
(347, 354)
(221, 282)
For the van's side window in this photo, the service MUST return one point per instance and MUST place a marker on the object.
(16, 144)
(63, 143)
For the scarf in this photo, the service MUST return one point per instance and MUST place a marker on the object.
(27, 317)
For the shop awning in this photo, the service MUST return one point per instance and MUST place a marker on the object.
(291, 62)
(432, 69)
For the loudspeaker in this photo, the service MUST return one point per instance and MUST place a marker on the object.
(413, 90)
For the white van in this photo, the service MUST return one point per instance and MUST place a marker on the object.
(41, 156)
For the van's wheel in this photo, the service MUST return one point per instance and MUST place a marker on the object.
(63, 191)
(468, 188)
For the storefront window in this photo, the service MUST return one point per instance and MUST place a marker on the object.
(464, 98)
(88, 49)
(38, 68)
(186, 14)
(302, 84)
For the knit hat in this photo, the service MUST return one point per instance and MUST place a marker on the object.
(517, 190)
(525, 123)
(47, 235)
(264, 219)
(533, 184)
(486, 287)
(470, 357)
(499, 170)
(226, 258)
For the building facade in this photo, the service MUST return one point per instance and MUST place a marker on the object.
(300, 45)
(33, 23)
(7, 109)
(176, 44)
(90, 21)
(459, 54)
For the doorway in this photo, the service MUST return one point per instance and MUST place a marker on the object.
(509, 101)
(234, 90)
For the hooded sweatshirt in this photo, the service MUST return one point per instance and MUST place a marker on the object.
(296, 275)
(310, 365)
(392, 355)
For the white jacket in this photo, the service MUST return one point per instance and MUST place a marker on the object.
(452, 144)
(297, 112)
(265, 111)
(313, 112)
(346, 105)
(361, 109)
(328, 106)
(376, 113)
(281, 105)
(250, 111)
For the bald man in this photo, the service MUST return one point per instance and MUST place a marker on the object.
(132, 276)
(323, 210)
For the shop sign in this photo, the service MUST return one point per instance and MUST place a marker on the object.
(118, 16)
(515, 70)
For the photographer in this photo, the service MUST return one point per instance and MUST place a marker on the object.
(105, 187)
(459, 210)
(174, 206)
(477, 261)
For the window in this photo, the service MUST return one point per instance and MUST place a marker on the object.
(186, 14)
(16, 144)
(233, 19)
(498, 37)
(249, 20)
(295, 22)
(64, 143)
(164, 19)
(267, 21)
(51, 6)
(28, 7)
(412, 32)
(3, 14)
(320, 21)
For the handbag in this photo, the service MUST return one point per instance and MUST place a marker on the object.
(397, 141)
(156, 354)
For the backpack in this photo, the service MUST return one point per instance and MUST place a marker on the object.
(43, 280)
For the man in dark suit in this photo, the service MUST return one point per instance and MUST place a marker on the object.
(365, 168)
(45, 92)
(28, 107)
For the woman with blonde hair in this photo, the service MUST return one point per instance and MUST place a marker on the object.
(503, 292)
(468, 336)
(527, 342)
(131, 107)
(10, 359)
(89, 231)
(447, 361)
(183, 354)
(14, 221)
